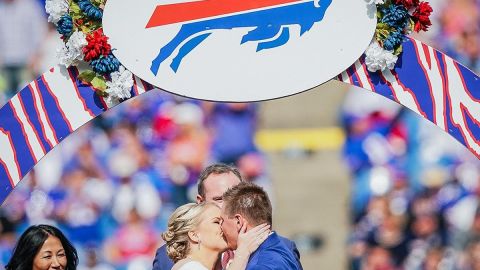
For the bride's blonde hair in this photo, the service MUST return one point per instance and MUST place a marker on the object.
(183, 220)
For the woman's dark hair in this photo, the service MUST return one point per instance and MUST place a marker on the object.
(32, 241)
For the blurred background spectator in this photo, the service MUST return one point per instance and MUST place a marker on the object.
(415, 193)
(111, 186)
(22, 30)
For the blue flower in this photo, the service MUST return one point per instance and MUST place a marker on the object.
(90, 10)
(395, 16)
(393, 40)
(65, 25)
(105, 65)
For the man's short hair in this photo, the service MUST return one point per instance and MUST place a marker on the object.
(249, 200)
(218, 168)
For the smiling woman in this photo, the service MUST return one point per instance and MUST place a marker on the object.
(43, 247)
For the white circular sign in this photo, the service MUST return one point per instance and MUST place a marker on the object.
(238, 50)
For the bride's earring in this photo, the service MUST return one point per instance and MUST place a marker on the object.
(199, 242)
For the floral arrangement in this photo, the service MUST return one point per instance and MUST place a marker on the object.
(395, 20)
(80, 24)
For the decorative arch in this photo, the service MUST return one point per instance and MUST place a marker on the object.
(57, 103)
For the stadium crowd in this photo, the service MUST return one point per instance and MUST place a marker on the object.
(414, 200)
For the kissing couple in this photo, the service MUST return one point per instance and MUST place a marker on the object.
(230, 227)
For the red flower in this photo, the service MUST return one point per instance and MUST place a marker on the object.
(421, 17)
(97, 45)
(407, 3)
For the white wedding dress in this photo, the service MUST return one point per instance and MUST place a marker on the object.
(191, 265)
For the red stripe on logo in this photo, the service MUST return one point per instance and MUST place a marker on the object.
(182, 12)
(29, 121)
(73, 79)
(69, 125)
(411, 92)
(35, 105)
(426, 53)
(12, 183)
(24, 132)
(365, 70)
(135, 86)
(42, 103)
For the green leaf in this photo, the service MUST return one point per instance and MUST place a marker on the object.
(96, 81)
(98, 3)
(383, 26)
(102, 93)
(93, 25)
(75, 11)
(99, 83)
(411, 24)
(87, 76)
(398, 50)
(382, 34)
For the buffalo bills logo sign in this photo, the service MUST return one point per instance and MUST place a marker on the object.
(231, 50)
(270, 26)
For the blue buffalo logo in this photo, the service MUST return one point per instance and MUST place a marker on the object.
(271, 26)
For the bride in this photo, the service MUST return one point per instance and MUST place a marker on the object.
(195, 239)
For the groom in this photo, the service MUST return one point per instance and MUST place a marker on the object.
(249, 203)
(212, 183)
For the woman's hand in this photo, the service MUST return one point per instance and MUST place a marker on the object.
(249, 241)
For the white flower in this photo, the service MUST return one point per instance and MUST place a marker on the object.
(56, 9)
(378, 58)
(375, 1)
(71, 52)
(390, 59)
(65, 57)
(111, 102)
(77, 41)
(120, 85)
